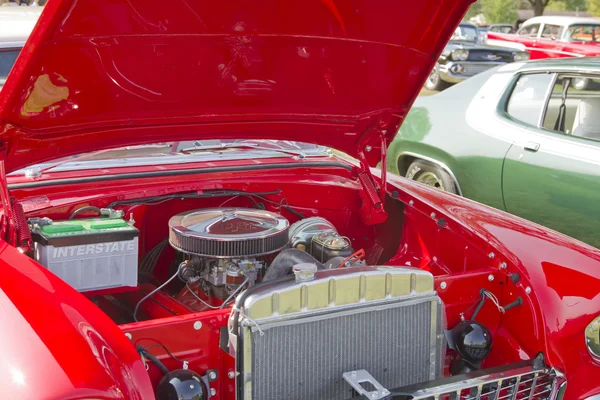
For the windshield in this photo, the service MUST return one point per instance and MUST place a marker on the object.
(584, 33)
(465, 33)
(177, 153)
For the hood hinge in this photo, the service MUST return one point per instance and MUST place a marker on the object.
(7, 222)
(372, 210)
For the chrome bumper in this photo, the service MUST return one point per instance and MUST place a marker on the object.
(458, 71)
(520, 381)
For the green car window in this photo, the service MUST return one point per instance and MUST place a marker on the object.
(528, 98)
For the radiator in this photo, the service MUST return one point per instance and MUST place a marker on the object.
(298, 339)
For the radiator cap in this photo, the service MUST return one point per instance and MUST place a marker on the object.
(305, 272)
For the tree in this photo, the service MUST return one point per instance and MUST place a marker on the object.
(594, 7)
(571, 5)
(538, 6)
(473, 11)
(500, 11)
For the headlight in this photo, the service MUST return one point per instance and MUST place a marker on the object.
(460, 54)
(592, 338)
(521, 56)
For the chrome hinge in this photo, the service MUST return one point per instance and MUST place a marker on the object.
(373, 196)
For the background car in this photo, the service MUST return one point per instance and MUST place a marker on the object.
(501, 28)
(553, 37)
(524, 138)
(466, 55)
(16, 24)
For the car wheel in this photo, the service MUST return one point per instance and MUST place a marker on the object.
(431, 175)
(434, 80)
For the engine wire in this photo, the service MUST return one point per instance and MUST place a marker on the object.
(166, 351)
(137, 306)
(231, 296)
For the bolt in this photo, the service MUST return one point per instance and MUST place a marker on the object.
(374, 395)
(197, 325)
(385, 392)
(231, 374)
(411, 203)
(353, 373)
(212, 375)
(527, 290)
(213, 391)
(433, 215)
(128, 335)
(443, 285)
(490, 277)
(491, 255)
(368, 148)
(503, 265)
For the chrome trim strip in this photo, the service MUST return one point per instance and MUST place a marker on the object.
(478, 379)
(440, 164)
(179, 172)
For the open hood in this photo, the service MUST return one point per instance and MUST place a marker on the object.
(100, 74)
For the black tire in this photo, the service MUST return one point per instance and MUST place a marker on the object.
(431, 175)
(434, 80)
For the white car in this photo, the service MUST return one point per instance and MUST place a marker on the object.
(16, 23)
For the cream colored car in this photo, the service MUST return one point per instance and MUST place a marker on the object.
(16, 23)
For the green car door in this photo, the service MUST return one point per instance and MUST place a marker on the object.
(551, 172)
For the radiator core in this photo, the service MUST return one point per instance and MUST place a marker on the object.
(301, 351)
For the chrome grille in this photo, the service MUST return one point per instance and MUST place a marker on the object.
(511, 382)
(476, 68)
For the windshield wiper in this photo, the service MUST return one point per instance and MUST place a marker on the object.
(254, 146)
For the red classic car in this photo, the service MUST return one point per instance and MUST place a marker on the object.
(551, 37)
(165, 234)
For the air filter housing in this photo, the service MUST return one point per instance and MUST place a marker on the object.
(228, 232)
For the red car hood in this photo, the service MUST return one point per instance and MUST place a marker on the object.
(99, 74)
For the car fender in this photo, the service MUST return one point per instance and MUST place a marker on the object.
(559, 279)
(56, 343)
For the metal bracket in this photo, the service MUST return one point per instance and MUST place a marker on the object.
(358, 377)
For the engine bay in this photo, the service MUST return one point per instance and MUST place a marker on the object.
(197, 279)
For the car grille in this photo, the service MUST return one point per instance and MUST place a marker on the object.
(513, 382)
(475, 68)
(489, 56)
(533, 386)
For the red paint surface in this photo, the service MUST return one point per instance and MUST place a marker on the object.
(96, 75)
(540, 48)
(56, 344)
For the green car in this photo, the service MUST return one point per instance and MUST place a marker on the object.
(524, 138)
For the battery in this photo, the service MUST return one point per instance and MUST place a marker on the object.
(89, 254)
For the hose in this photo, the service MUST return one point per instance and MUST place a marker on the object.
(142, 351)
(87, 208)
(284, 262)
